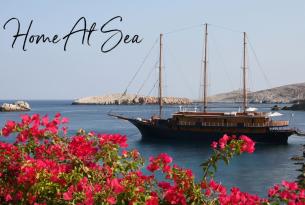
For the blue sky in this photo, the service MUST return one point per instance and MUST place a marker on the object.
(276, 31)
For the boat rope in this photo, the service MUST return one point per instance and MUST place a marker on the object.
(199, 26)
(146, 79)
(140, 67)
(183, 29)
(225, 28)
(183, 76)
(259, 64)
(138, 70)
(153, 87)
(220, 57)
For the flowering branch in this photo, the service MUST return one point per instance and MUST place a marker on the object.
(224, 150)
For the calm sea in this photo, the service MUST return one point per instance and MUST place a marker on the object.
(253, 173)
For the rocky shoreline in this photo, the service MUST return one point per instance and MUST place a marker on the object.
(297, 106)
(18, 106)
(299, 160)
(129, 99)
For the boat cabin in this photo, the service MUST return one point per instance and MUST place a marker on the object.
(226, 119)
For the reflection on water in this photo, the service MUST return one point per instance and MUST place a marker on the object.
(268, 165)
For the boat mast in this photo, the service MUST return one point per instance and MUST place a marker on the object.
(205, 101)
(244, 74)
(160, 78)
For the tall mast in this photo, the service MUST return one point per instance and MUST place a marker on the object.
(205, 101)
(244, 74)
(160, 78)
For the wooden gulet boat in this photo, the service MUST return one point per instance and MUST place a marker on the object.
(204, 126)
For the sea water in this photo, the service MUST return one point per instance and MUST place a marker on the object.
(254, 173)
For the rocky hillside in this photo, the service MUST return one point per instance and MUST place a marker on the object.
(128, 99)
(282, 94)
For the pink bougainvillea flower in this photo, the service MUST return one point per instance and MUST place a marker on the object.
(214, 145)
(8, 197)
(165, 158)
(116, 186)
(10, 124)
(67, 196)
(223, 141)
(64, 120)
(57, 115)
(164, 185)
(8, 128)
(111, 200)
(248, 145)
(44, 120)
(153, 200)
(290, 185)
(82, 148)
(26, 119)
(64, 129)
(114, 139)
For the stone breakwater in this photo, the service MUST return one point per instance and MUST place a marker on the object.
(129, 99)
(16, 107)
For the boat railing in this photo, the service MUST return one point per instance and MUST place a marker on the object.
(278, 123)
(188, 109)
(228, 124)
(256, 124)
(207, 124)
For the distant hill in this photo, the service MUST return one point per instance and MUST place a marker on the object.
(282, 94)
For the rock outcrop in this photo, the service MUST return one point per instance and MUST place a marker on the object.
(16, 107)
(282, 94)
(300, 105)
(128, 99)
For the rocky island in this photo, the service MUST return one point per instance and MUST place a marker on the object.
(282, 94)
(129, 99)
(18, 106)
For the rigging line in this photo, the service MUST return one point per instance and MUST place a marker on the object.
(183, 29)
(201, 84)
(251, 83)
(146, 79)
(200, 91)
(222, 61)
(141, 65)
(185, 79)
(165, 81)
(153, 88)
(259, 64)
(240, 94)
(226, 28)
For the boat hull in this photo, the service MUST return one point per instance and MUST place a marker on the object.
(165, 132)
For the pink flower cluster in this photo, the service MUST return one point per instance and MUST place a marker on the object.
(247, 144)
(288, 192)
(34, 126)
(113, 139)
(162, 160)
(44, 166)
